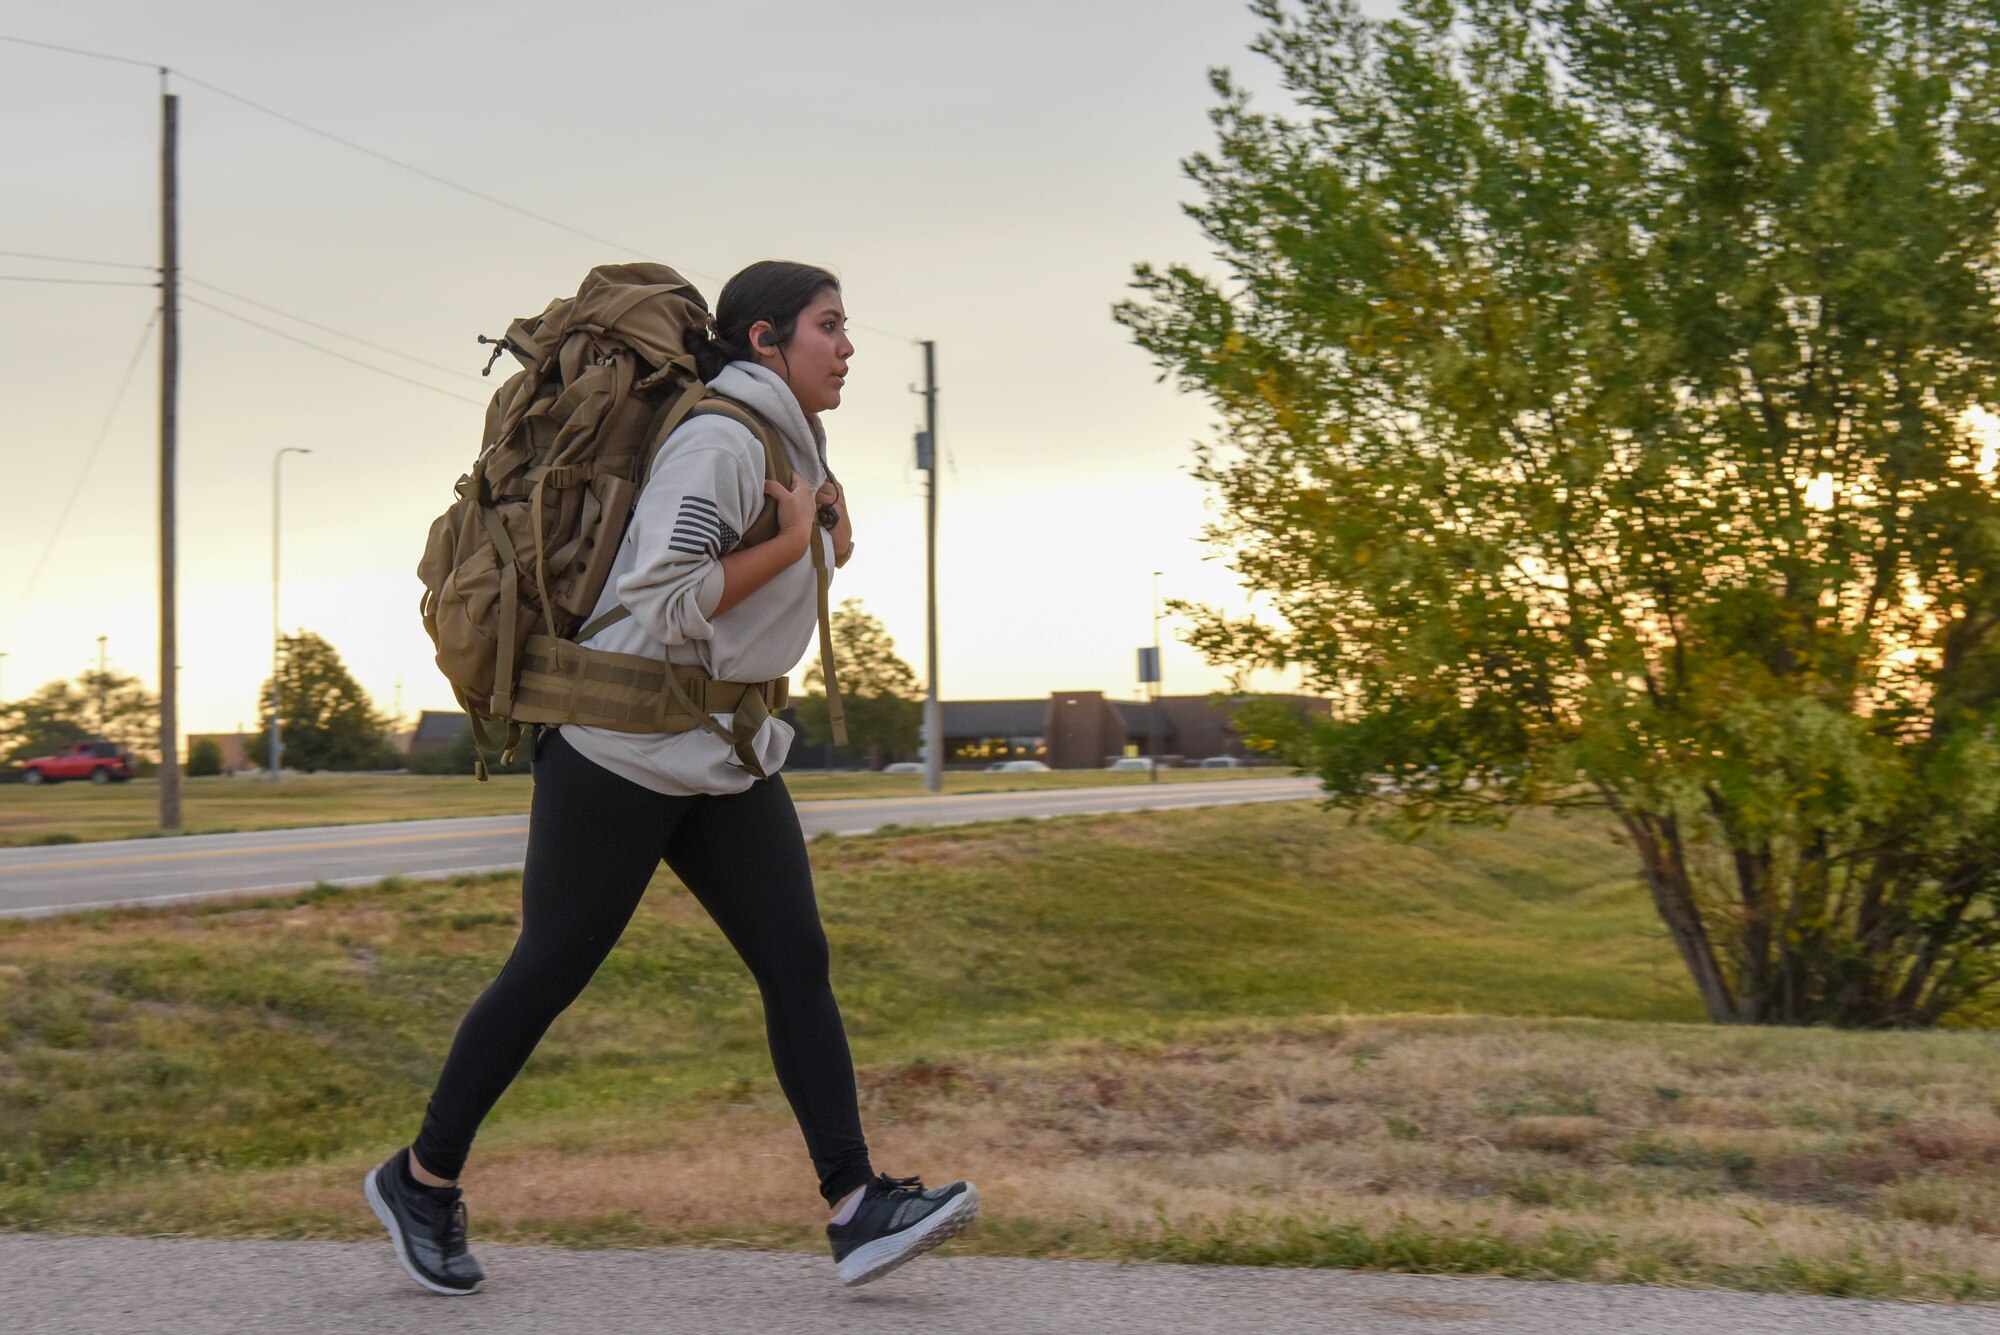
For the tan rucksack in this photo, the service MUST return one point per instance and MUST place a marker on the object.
(521, 557)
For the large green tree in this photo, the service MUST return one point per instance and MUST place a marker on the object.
(1604, 386)
(878, 690)
(104, 704)
(327, 720)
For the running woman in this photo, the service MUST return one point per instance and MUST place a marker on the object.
(609, 806)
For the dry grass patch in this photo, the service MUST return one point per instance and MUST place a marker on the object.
(1550, 1148)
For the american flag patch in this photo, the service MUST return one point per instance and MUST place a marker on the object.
(699, 530)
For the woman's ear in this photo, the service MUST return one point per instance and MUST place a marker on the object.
(763, 339)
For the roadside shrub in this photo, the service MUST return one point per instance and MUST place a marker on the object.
(204, 758)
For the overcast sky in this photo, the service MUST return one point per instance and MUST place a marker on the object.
(984, 176)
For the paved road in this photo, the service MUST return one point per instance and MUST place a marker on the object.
(141, 1286)
(41, 881)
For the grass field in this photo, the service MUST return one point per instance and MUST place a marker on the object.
(68, 813)
(1249, 1035)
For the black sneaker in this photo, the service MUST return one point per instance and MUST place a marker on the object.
(896, 1221)
(427, 1224)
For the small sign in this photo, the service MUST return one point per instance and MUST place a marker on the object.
(1149, 665)
(924, 456)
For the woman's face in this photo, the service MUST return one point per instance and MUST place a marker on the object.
(814, 363)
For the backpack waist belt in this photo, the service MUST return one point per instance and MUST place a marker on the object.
(563, 682)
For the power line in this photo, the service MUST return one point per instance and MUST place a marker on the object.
(410, 167)
(76, 489)
(74, 282)
(67, 259)
(346, 143)
(428, 175)
(329, 329)
(459, 186)
(352, 361)
(77, 51)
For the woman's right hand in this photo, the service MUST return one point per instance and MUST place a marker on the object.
(798, 510)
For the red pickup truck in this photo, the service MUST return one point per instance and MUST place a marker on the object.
(100, 762)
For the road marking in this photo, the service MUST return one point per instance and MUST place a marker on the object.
(244, 852)
(1072, 796)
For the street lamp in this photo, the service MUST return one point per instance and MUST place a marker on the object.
(276, 637)
(1154, 740)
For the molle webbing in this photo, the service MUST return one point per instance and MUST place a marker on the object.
(562, 682)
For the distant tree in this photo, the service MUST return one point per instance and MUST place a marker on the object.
(109, 705)
(328, 722)
(48, 720)
(878, 690)
(204, 758)
(1602, 384)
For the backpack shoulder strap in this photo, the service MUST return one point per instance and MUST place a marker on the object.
(700, 401)
(777, 464)
(777, 468)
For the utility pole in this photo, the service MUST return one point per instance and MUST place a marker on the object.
(927, 460)
(1153, 773)
(277, 636)
(170, 353)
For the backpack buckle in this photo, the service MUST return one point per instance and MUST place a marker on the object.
(560, 476)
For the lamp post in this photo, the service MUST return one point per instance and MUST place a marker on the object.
(276, 637)
(1154, 713)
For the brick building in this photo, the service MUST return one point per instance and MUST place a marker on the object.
(1067, 730)
(1085, 730)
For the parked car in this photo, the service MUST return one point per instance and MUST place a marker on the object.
(1126, 763)
(1017, 767)
(904, 767)
(99, 762)
(1221, 762)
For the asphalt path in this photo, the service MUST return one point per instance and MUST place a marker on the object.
(43, 881)
(160, 1286)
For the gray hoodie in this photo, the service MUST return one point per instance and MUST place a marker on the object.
(706, 488)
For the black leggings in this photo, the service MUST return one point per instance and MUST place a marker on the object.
(594, 841)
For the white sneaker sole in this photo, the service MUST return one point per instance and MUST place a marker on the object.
(879, 1257)
(388, 1218)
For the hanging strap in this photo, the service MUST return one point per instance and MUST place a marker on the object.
(508, 655)
(744, 722)
(836, 713)
(484, 742)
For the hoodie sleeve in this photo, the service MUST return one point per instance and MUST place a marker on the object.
(689, 516)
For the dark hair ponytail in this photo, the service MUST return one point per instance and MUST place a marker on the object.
(773, 291)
